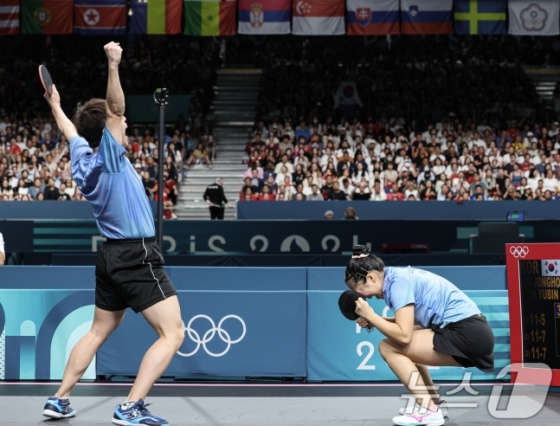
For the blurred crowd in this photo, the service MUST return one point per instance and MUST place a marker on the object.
(34, 155)
(437, 119)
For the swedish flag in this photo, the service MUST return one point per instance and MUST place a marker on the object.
(480, 16)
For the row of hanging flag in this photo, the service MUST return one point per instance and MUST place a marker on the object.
(267, 17)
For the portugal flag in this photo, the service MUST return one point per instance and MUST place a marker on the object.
(210, 17)
(47, 16)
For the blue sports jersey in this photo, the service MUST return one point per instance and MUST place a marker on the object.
(112, 186)
(436, 300)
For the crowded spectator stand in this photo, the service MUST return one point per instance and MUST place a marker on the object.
(456, 122)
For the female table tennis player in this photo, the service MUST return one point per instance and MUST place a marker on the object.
(435, 324)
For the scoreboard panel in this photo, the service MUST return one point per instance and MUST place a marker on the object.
(533, 278)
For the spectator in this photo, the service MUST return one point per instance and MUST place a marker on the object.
(62, 195)
(199, 156)
(361, 192)
(315, 195)
(51, 192)
(337, 194)
(248, 185)
(36, 188)
(266, 194)
(329, 215)
(256, 182)
(378, 194)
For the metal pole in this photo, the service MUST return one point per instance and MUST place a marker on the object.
(160, 98)
(160, 175)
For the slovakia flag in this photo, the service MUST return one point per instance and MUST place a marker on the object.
(373, 18)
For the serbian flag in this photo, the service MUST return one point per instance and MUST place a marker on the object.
(47, 16)
(98, 17)
(426, 16)
(9, 17)
(156, 16)
(318, 17)
(373, 18)
(264, 17)
(210, 17)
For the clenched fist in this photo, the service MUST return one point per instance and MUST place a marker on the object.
(362, 308)
(114, 52)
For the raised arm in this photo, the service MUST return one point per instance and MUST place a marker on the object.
(115, 97)
(63, 122)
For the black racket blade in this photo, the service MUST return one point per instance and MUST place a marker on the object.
(347, 304)
(46, 79)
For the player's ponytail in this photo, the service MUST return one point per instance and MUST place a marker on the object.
(360, 264)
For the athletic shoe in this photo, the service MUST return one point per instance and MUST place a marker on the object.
(442, 406)
(422, 417)
(136, 414)
(57, 408)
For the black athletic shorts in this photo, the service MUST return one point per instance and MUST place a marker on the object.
(470, 342)
(129, 273)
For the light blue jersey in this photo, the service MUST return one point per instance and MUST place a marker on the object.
(112, 186)
(436, 300)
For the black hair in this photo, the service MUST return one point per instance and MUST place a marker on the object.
(361, 264)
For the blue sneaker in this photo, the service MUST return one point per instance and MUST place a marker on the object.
(136, 414)
(57, 408)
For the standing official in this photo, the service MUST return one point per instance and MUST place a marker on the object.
(216, 199)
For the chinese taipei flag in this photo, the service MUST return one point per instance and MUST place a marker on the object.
(367, 17)
(537, 18)
(264, 17)
(98, 17)
(318, 17)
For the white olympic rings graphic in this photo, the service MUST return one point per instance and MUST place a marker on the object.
(519, 251)
(209, 335)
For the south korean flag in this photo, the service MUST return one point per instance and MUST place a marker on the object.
(550, 268)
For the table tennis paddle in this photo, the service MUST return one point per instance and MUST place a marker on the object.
(347, 306)
(46, 79)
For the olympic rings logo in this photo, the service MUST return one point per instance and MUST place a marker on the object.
(519, 251)
(211, 333)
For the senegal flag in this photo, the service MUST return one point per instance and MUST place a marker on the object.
(210, 17)
(47, 16)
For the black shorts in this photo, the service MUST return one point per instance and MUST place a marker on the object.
(470, 342)
(129, 273)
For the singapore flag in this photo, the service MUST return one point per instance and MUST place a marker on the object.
(318, 17)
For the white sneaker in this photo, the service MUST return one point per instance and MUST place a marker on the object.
(422, 417)
(442, 406)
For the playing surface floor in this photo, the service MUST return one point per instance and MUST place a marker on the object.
(265, 404)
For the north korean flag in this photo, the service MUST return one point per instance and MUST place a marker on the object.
(97, 17)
